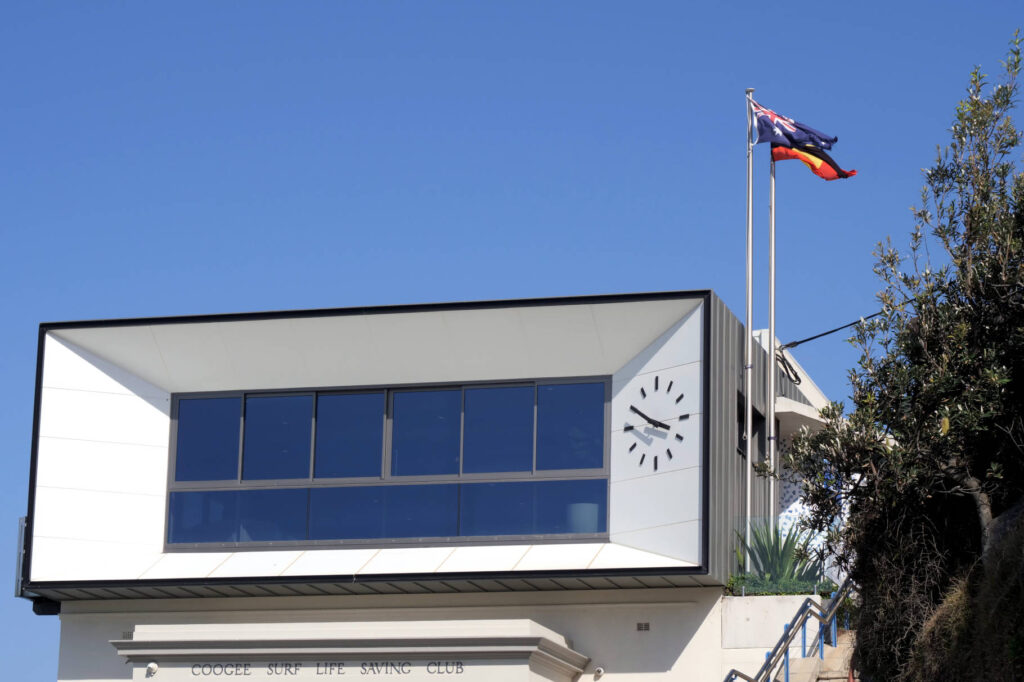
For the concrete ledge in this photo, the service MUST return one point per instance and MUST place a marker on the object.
(511, 644)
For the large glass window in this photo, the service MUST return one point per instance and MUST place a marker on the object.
(475, 461)
(277, 437)
(498, 429)
(207, 439)
(391, 511)
(534, 507)
(425, 438)
(349, 435)
(260, 515)
(570, 426)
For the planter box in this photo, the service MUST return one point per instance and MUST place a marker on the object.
(756, 622)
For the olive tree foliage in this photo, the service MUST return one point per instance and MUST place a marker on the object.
(909, 485)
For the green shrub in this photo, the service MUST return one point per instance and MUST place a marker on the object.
(779, 556)
(752, 585)
(780, 563)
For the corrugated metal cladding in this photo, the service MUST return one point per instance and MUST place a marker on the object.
(429, 584)
(727, 503)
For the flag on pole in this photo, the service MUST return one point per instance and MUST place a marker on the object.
(820, 163)
(793, 140)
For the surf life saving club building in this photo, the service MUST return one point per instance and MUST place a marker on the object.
(512, 490)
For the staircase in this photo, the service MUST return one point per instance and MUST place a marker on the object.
(835, 667)
(815, 662)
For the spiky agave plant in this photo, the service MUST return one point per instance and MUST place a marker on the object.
(779, 556)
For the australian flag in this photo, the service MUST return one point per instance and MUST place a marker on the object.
(793, 140)
(783, 131)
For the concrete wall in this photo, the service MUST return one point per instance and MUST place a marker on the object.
(684, 640)
(752, 625)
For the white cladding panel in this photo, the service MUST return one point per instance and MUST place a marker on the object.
(331, 562)
(101, 477)
(102, 459)
(63, 559)
(656, 484)
(242, 564)
(680, 540)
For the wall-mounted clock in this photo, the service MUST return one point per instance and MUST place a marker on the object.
(655, 417)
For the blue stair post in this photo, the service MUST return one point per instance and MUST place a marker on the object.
(785, 655)
(835, 630)
(821, 638)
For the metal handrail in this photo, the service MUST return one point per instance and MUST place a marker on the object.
(780, 652)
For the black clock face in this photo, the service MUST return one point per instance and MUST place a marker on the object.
(654, 422)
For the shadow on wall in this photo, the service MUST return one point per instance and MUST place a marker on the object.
(644, 638)
(681, 632)
(638, 363)
(154, 395)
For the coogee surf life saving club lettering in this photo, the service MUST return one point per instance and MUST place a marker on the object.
(313, 669)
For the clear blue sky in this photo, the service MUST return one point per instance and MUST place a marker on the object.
(196, 157)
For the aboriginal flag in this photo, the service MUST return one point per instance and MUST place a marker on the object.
(820, 163)
(793, 140)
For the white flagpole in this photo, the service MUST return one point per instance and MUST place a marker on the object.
(748, 350)
(772, 438)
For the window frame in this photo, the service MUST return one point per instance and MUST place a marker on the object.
(386, 477)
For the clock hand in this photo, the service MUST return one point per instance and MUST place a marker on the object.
(652, 422)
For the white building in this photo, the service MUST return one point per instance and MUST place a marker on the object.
(504, 490)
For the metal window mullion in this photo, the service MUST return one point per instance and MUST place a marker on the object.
(536, 400)
(312, 438)
(309, 510)
(172, 446)
(241, 440)
(606, 430)
(389, 424)
(607, 468)
(462, 427)
(462, 448)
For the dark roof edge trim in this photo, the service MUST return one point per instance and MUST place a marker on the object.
(383, 309)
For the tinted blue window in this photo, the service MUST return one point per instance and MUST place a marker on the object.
(277, 437)
(207, 439)
(203, 516)
(571, 506)
(570, 426)
(496, 509)
(425, 432)
(533, 508)
(396, 511)
(237, 515)
(272, 515)
(355, 513)
(498, 431)
(349, 435)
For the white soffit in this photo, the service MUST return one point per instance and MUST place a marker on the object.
(793, 416)
(380, 348)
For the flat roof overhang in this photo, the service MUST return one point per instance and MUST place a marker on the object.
(410, 344)
(231, 352)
